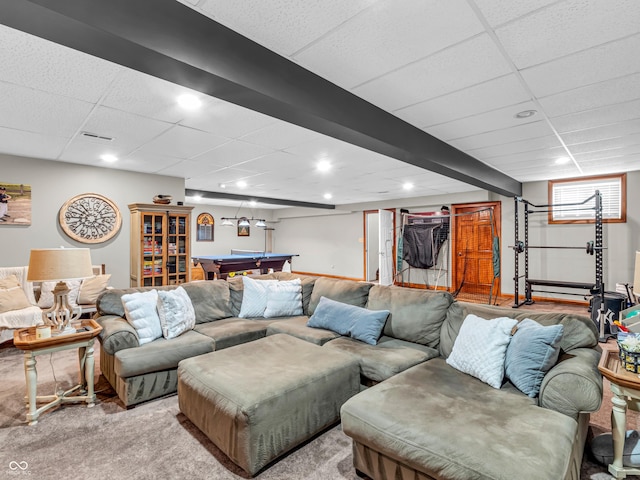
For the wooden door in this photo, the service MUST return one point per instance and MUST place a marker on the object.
(473, 241)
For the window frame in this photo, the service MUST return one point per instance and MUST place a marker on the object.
(623, 199)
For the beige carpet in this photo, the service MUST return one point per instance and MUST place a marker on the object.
(153, 440)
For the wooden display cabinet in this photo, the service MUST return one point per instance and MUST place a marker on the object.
(160, 244)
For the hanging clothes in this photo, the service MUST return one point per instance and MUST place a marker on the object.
(422, 242)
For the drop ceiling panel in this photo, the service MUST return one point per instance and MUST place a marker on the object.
(281, 135)
(149, 96)
(483, 122)
(283, 26)
(388, 36)
(232, 153)
(460, 66)
(498, 13)
(183, 142)
(529, 145)
(476, 99)
(507, 135)
(227, 120)
(612, 131)
(280, 162)
(604, 155)
(36, 63)
(28, 144)
(185, 168)
(608, 144)
(598, 117)
(152, 163)
(611, 60)
(40, 112)
(568, 27)
(609, 92)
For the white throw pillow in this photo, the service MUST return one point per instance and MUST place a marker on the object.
(254, 297)
(176, 312)
(141, 310)
(481, 346)
(284, 299)
(46, 293)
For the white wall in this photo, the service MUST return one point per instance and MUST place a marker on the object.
(226, 238)
(52, 184)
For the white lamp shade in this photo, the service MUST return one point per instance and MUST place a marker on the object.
(244, 223)
(59, 264)
(261, 224)
(226, 222)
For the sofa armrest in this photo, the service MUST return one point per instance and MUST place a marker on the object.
(574, 384)
(117, 334)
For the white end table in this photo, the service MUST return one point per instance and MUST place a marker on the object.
(626, 394)
(25, 339)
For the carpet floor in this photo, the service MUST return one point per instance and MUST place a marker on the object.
(155, 440)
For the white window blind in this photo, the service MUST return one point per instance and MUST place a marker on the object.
(579, 190)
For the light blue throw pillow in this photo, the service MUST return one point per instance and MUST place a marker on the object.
(533, 350)
(356, 322)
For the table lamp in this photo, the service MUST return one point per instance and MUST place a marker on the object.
(60, 264)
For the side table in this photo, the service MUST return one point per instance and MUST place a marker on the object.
(25, 339)
(625, 387)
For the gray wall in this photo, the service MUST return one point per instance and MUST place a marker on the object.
(52, 184)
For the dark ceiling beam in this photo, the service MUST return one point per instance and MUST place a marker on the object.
(190, 192)
(168, 40)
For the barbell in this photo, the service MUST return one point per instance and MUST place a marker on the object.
(589, 250)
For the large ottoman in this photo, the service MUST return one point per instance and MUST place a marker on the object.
(258, 400)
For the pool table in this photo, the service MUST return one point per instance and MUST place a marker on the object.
(219, 266)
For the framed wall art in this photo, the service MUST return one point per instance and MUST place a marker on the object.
(90, 218)
(205, 224)
(15, 204)
(243, 227)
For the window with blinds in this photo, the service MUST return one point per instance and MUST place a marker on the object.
(564, 193)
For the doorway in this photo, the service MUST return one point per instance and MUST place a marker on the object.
(373, 231)
(476, 251)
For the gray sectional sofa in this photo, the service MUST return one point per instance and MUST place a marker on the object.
(415, 416)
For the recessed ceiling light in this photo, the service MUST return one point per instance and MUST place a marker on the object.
(328, 196)
(189, 101)
(197, 198)
(241, 184)
(253, 203)
(323, 166)
(107, 157)
(525, 114)
(562, 160)
(223, 185)
(408, 186)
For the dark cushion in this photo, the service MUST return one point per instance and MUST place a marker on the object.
(345, 291)
(416, 315)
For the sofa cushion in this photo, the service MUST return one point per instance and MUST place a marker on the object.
(345, 291)
(388, 358)
(110, 302)
(481, 346)
(117, 334)
(357, 322)
(236, 290)
(210, 299)
(233, 331)
(161, 354)
(13, 297)
(284, 299)
(297, 327)
(533, 350)
(254, 297)
(422, 416)
(91, 288)
(141, 311)
(307, 283)
(416, 315)
(579, 331)
(176, 312)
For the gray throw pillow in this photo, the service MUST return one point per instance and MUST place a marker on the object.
(533, 350)
(357, 322)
